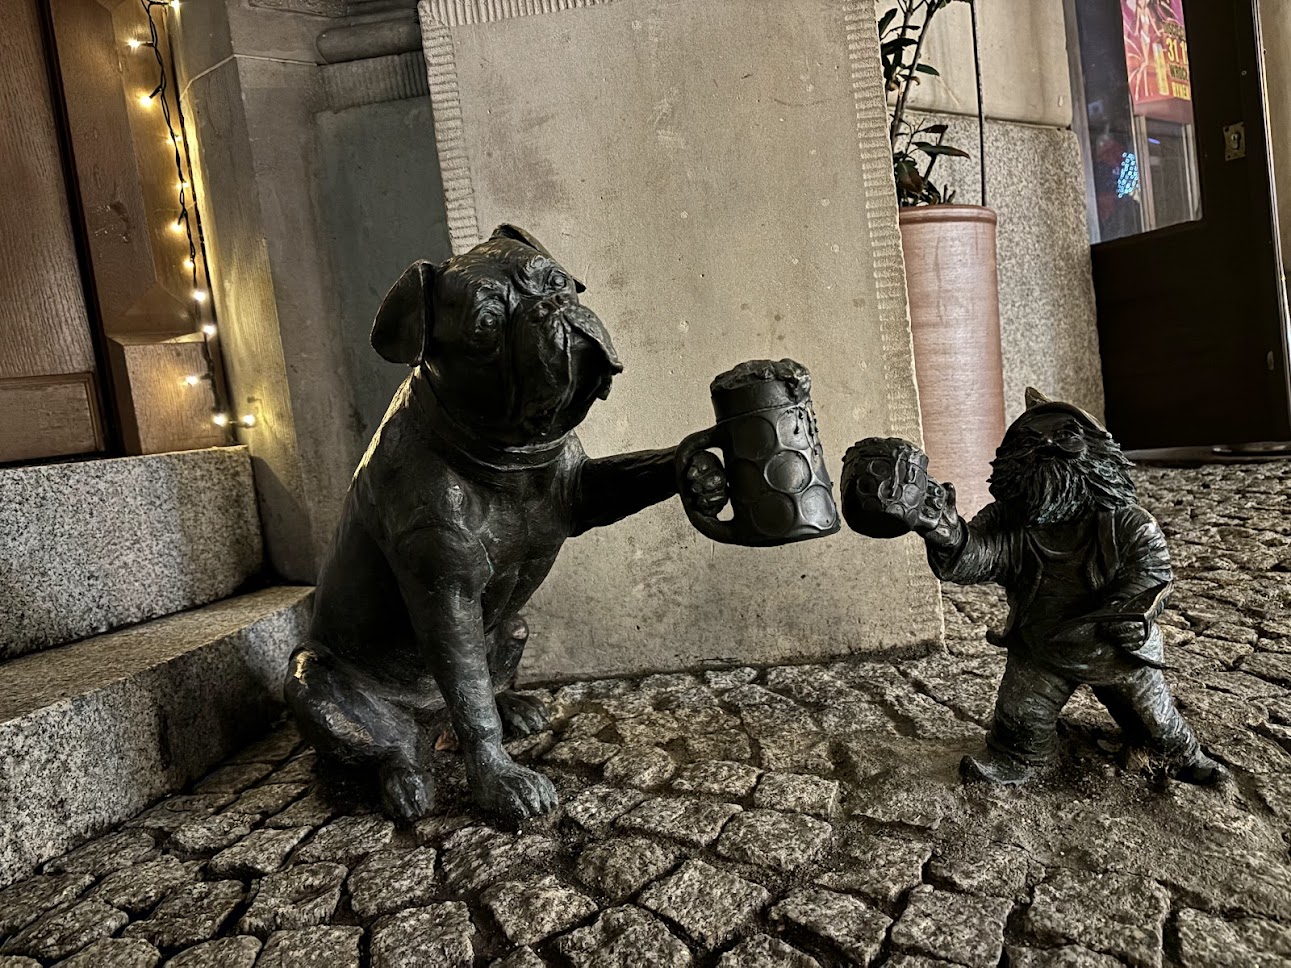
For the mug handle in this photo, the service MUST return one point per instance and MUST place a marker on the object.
(706, 524)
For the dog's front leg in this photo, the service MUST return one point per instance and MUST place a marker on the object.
(442, 588)
(611, 488)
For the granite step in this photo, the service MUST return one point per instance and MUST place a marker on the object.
(89, 546)
(92, 732)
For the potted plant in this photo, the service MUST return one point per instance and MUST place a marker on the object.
(950, 269)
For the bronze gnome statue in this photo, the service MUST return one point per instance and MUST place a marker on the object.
(1084, 567)
(455, 515)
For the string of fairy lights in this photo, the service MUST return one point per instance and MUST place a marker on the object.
(184, 220)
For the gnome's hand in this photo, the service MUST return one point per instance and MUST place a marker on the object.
(938, 521)
(1128, 635)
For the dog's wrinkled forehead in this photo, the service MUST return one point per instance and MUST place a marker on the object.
(500, 267)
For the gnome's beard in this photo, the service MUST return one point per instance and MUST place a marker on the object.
(1049, 489)
(1045, 490)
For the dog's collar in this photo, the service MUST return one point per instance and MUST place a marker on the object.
(478, 451)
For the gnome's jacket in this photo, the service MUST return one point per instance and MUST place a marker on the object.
(1128, 557)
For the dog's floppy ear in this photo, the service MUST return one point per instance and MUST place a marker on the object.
(516, 234)
(401, 332)
(1034, 398)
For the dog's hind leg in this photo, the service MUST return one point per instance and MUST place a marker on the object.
(354, 727)
(520, 715)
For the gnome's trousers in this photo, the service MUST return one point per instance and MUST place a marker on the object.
(1032, 695)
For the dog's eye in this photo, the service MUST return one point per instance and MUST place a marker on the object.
(484, 329)
(558, 280)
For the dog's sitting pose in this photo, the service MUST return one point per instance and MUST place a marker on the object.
(455, 515)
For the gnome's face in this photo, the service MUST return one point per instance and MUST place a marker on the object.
(1054, 467)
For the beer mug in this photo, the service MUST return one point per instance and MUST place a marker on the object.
(884, 484)
(777, 483)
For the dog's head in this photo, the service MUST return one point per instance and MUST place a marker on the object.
(500, 333)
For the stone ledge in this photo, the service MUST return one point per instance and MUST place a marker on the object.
(94, 545)
(133, 715)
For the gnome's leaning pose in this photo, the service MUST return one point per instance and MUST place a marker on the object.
(1086, 572)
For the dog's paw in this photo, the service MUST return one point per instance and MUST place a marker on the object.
(514, 793)
(521, 715)
(407, 794)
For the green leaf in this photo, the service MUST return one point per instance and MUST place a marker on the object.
(886, 19)
(927, 147)
(927, 69)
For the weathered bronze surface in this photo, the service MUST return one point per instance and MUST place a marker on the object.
(1084, 567)
(766, 429)
(455, 515)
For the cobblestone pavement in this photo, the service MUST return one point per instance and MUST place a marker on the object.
(762, 818)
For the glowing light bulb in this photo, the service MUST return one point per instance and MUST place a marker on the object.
(188, 263)
(177, 227)
(220, 420)
(192, 379)
(183, 186)
(174, 4)
(248, 420)
(199, 295)
(145, 100)
(134, 43)
(208, 329)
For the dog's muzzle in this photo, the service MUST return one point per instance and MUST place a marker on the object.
(563, 360)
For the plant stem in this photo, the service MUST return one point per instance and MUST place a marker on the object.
(981, 106)
(907, 8)
(914, 62)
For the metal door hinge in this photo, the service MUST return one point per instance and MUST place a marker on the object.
(1235, 141)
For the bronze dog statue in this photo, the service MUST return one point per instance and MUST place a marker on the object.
(456, 514)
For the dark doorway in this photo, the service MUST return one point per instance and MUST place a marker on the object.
(1192, 322)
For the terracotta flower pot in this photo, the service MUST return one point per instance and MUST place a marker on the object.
(955, 320)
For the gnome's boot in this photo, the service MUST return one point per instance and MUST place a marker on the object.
(1201, 770)
(994, 766)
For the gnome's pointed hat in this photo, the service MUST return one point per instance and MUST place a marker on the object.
(1038, 403)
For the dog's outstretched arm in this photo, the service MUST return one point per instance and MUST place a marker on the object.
(611, 488)
(442, 573)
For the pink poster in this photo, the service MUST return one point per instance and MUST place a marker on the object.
(1156, 56)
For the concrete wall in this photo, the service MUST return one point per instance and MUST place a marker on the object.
(1034, 182)
(1275, 31)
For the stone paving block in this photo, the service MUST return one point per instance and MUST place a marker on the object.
(106, 854)
(1068, 956)
(1117, 914)
(847, 923)
(891, 797)
(66, 931)
(475, 857)
(621, 866)
(798, 793)
(302, 896)
(274, 748)
(599, 806)
(114, 953)
(723, 778)
(584, 726)
(17, 961)
(916, 961)
(709, 904)
(174, 812)
(239, 951)
(391, 880)
(301, 768)
(962, 928)
(348, 840)
(136, 890)
(810, 684)
(880, 868)
(857, 716)
(433, 829)
(693, 822)
(27, 900)
(533, 910)
(1275, 791)
(719, 680)
(311, 810)
(996, 870)
(209, 835)
(624, 937)
(767, 722)
(797, 753)
(763, 951)
(1207, 941)
(259, 853)
(435, 936)
(729, 744)
(581, 752)
(769, 838)
(194, 913)
(654, 728)
(267, 799)
(520, 958)
(336, 947)
(234, 778)
(644, 767)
